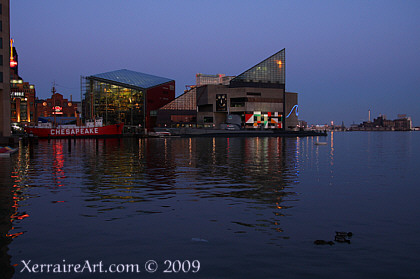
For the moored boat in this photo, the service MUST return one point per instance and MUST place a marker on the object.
(7, 151)
(92, 129)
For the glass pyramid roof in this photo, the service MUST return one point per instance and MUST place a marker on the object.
(271, 71)
(132, 78)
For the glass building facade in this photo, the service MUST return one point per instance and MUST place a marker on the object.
(270, 73)
(120, 97)
(115, 104)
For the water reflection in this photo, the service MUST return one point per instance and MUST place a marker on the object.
(158, 172)
(12, 193)
(6, 212)
(117, 171)
(251, 180)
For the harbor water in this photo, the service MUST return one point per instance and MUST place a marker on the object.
(213, 207)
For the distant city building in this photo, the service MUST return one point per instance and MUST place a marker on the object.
(257, 97)
(126, 96)
(5, 128)
(56, 106)
(403, 123)
(381, 123)
(302, 124)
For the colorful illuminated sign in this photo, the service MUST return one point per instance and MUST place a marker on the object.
(18, 94)
(57, 110)
(263, 119)
(296, 111)
(74, 131)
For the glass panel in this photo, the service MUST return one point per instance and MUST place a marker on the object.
(271, 70)
(115, 104)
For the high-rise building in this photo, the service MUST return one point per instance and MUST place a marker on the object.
(4, 69)
(22, 94)
(22, 102)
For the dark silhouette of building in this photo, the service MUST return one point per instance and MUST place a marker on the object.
(381, 123)
(5, 129)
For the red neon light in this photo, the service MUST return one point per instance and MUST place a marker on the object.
(13, 63)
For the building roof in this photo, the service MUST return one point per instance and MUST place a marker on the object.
(268, 73)
(132, 78)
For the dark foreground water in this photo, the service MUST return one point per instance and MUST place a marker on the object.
(239, 207)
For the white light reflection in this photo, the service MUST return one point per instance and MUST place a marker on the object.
(190, 150)
(332, 157)
(166, 149)
(213, 154)
(228, 147)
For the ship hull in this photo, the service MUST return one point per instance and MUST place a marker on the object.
(77, 132)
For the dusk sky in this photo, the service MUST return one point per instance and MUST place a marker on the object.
(342, 57)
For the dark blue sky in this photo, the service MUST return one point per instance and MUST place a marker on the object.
(342, 57)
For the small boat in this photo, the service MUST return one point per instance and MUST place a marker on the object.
(159, 134)
(7, 151)
(90, 130)
(321, 143)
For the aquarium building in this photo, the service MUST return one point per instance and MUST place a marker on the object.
(255, 99)
(125, 96)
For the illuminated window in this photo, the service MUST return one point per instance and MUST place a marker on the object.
(237, 102)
